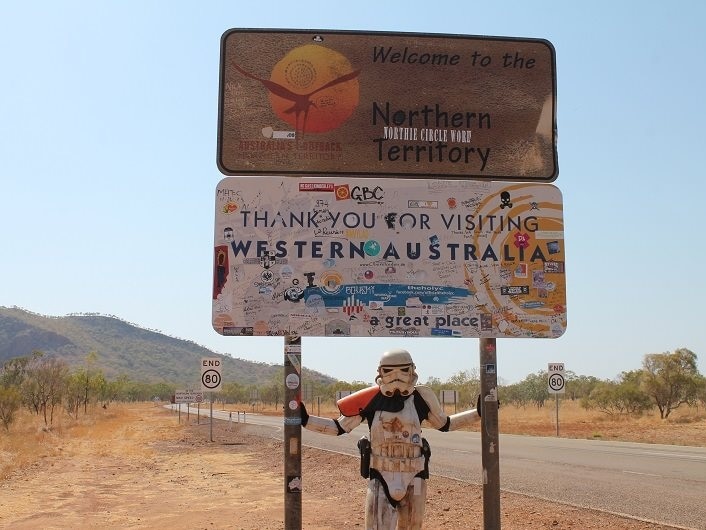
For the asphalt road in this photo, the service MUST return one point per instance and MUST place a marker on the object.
(661, 483)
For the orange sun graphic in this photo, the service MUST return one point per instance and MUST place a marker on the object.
(313, 88)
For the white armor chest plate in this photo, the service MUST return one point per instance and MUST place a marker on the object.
(392, 429)
(396, 447)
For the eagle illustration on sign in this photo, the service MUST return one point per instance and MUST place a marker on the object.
(300, 70)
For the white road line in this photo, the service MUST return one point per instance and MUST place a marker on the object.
(638, 473)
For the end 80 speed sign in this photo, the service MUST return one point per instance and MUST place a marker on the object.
(556, 383)
(211, 374)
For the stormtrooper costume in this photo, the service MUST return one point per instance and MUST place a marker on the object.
(395, 458)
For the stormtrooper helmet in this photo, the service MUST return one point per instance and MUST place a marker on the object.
(396, 372)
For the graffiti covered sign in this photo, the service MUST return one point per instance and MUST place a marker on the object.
(388, 258)
(344, 103)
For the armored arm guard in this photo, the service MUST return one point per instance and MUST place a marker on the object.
(439, 419)
(436, 415)
(462, 419)
(330, 426)
(324, 426)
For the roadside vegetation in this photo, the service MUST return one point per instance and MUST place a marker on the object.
(43, 404)
(47, 388)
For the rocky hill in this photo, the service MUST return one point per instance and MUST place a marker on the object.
(122, 348)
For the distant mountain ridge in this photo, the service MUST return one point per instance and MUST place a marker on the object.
(123, 348)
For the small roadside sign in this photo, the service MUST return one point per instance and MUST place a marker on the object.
(340, 394)
(188, 396)
(555, 378)
(211, 374)
(449, 396)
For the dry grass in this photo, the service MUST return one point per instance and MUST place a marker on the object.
(154, 468)
(29, 440)
(685, 426)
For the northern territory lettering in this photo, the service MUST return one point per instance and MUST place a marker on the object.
(436, 128)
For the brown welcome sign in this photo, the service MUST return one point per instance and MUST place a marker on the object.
(335, 103)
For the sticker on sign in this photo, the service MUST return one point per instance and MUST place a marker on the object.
(377, 264)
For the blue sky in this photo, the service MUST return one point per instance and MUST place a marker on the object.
(108, 114)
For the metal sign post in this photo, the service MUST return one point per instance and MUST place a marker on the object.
(556, 403)
(490, 453)
(210, 428)
(292, 433)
